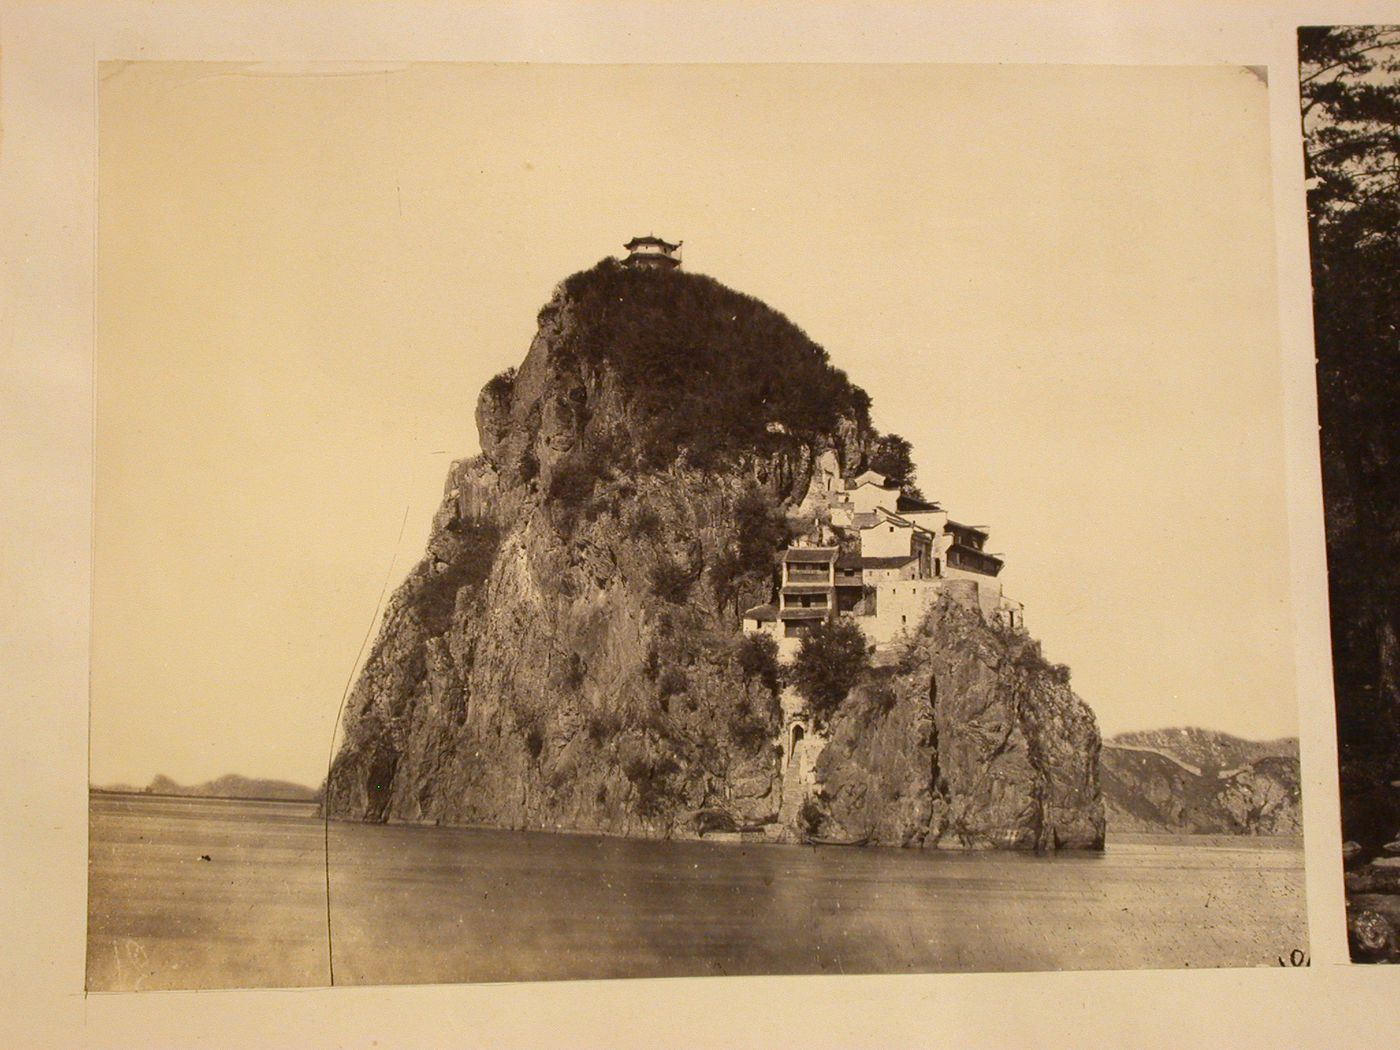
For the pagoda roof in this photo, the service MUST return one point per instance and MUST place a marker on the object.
(649, 239)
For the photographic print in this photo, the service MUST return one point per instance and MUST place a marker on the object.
(568, 522)
(1350, 95)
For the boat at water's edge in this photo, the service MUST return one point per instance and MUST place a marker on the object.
(820, 840)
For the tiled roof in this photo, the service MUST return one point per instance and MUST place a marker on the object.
(810, 555)
(806, 588)
(869, 477)
(762, 613)
(897, 562)
(804, 614)
(910, 505)
(903, 523)
(951, 525)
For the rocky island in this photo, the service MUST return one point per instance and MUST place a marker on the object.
(664, 601)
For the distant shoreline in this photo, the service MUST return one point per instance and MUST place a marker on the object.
(1203, 840)
(208, 798)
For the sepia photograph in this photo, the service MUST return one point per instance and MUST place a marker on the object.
(1349, 78)
(564, 522)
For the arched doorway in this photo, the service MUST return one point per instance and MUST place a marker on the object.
(798, 732)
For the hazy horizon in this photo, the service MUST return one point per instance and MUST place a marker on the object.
(1057, 282)
(316, 785)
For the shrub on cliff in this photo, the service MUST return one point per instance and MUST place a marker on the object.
(437, 593)
(748, 732)
(528, 467)
(654, 781)
(757, 657)
(572, 488)
(671, 581)
(810, 816)
(574, 672)
(880, 691)
(501, 384)
(602, 726)
(671, 682)
(894, 457)
(1027, 656)
(574, 479)
(644, 523)
(829, 663)
(760, 531)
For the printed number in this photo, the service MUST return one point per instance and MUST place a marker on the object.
(1297, 957)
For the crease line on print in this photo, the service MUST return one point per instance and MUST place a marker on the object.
(335, 729)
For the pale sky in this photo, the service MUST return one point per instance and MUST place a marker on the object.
(1057, 282)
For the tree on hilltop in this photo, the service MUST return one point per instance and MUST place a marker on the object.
(893, 456)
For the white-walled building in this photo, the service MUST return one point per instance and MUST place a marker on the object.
(893, 556)
(885, 558)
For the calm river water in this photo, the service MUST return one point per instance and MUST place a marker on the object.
(439, 905)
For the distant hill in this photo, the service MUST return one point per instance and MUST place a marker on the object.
(1207, 749)
(1198, 781)
(229, 786)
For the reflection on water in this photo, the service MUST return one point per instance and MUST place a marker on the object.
(441, 905)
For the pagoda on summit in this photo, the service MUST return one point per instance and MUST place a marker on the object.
(652, 252)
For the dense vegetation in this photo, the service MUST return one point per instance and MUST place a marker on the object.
(713, 371)
(1350, 91)
(830, 661)
(757, 657)
(760, 530)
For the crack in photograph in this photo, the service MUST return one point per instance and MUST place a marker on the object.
(569, 522)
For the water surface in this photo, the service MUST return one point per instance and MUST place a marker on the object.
(437, 905)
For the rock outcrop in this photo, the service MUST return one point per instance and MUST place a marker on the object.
(564, 654)
(970, 740)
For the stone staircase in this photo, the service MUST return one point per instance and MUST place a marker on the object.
(794, 793)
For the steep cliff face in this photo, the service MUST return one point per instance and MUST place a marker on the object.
(562, 656)
(969, 740)
(564, 653)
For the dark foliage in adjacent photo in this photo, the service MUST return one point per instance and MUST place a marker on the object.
(1350, 91)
